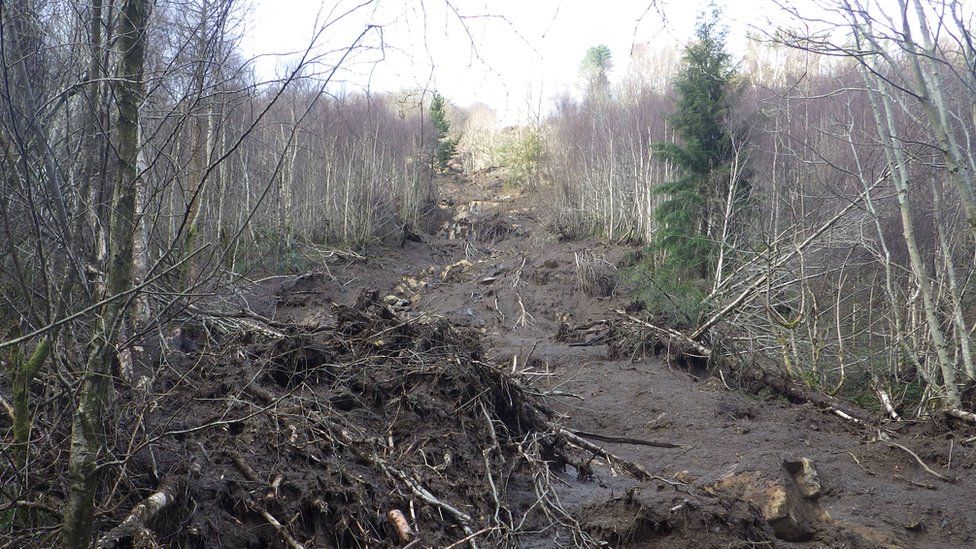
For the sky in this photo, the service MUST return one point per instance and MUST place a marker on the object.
(512, 55)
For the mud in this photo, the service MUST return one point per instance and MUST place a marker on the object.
(482, 334)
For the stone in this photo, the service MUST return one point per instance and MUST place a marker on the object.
(455, 271)
(804, 476)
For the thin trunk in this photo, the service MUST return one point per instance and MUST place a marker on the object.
(884, 119)
(93, 406)
(962, 333)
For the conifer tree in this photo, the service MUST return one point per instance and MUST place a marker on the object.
(593, 71)
(705, 89)
(446, 146)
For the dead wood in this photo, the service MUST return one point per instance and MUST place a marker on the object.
(627, 440)
(635, 469)
(135, 523)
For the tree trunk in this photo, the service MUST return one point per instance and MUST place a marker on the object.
(93, 405)
(884, 119)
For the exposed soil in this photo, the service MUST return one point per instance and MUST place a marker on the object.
(475, 342)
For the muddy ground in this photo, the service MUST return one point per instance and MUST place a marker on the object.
(445, 367)
(495, 266)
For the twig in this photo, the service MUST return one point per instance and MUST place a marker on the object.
(927, 469)
(468, 538)
(635, 469)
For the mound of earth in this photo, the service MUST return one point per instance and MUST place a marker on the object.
(371, 432)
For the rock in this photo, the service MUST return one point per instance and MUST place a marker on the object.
(456, 271)
(397, 303)
(791, 515)
(685, 477)
(805, 476)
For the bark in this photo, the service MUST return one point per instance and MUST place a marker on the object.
(134, 525)
(955, 292)
(933, 103)
(23, 374)
(93, 406)
(887, 131)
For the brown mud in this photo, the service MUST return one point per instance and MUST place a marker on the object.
(443, 367)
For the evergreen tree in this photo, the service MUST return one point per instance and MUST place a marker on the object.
(446, 146)
(705, 89)
(593, 70)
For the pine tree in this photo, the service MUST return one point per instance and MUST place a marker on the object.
(593, 70)
(705, 89)
(446, 146)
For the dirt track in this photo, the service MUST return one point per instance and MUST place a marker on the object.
(520, 287)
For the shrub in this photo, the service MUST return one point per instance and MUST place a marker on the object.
(595, 276)
(520, 154)
(665, 293)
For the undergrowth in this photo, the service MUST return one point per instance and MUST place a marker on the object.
(664, 292)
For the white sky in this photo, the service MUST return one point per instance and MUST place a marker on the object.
(523, 50)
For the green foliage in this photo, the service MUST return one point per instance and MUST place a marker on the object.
(593, 70)
(664, 293)
(705, 89)
(446, 146)
(521, 155)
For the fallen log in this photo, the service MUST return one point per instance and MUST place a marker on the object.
(635, 469)
(135, 524)
(793, 391)
(800, 394)
(627, 440)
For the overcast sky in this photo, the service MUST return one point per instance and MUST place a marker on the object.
(505, 53)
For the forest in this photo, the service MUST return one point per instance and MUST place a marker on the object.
(718, 292)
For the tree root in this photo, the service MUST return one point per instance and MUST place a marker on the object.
(250, 475)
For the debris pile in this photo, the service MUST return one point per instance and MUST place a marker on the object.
(374, 431)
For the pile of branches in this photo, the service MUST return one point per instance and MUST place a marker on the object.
(373, 431)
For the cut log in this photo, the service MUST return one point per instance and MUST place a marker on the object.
(401, 525)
